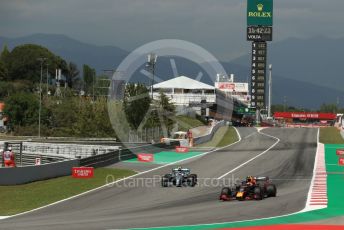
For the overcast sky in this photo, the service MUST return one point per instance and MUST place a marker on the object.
(217, 25)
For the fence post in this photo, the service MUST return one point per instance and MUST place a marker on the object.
(21, 152)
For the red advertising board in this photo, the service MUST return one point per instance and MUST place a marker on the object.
(82, 172)
(145, 157)
(182, 149)
(341, 161)
(340, 152)
(226, 85)
(306, 115)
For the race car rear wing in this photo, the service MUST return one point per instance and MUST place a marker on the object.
(262, 178)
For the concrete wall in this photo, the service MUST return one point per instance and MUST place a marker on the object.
(208, 137)
(23, 175)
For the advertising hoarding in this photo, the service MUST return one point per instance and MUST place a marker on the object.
(259, 12)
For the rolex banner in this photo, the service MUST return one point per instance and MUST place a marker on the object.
(259, 12)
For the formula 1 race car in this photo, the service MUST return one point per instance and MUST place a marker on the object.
(253, 188)
(179, 177)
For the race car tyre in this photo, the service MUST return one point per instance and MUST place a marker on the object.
(164, 182)
(191, 181)
(258, 193)
(194, 176)
(225, 191)
(271, 190)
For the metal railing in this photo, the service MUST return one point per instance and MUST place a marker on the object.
(185, 99)
(146, 135)
(26, 159)
(125, 154)
(66, 150)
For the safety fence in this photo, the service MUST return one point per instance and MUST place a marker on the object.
(26, 174)
(125, 154)
(66, 150)
(146, 135)
(306, 125)
(26, 159)
(63, 150)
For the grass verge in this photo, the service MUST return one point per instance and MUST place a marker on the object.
(330, 135)
(185, 122)
(21, 198)
(224, 136)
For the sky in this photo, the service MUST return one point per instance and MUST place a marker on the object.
(219, 26)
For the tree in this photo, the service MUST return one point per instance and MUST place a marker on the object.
(3, 71)
(88, 77)
(136, 103)
(3, 63)
(72, 74)
(22, 63)
(22, 109)
(328, 108)
(6, 88)
(165, 110)
(5, 54)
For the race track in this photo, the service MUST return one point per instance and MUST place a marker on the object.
(289, 163)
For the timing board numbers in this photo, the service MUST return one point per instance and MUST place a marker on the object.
(258, 73)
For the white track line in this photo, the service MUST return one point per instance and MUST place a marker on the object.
(246, 162)
(123, 179)
(250, 135)
(239, 221)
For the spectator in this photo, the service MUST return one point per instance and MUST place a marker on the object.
(8, 157)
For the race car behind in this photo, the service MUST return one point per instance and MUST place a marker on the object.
(253, 188)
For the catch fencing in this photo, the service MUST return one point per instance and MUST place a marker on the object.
(147, 135)
(61, 150)
(125, 154)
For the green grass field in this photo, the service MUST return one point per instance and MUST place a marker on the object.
(224, 136)
(185, 123)
(167, 157)
(20, 198)
(330, 135)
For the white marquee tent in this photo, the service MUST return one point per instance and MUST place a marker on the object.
(183, 82)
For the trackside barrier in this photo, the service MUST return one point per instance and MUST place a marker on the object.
(23, 175)
(306, 125)
(27, 174)
(125, 154)
(210, 135)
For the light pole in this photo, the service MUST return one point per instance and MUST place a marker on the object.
(270, 87)
(151, 65)
(47, 79)
(40, 96)
(93, 84)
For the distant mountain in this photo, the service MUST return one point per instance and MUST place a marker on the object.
(306, 72)
(99, 57)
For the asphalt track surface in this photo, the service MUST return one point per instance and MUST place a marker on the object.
(289, 164)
